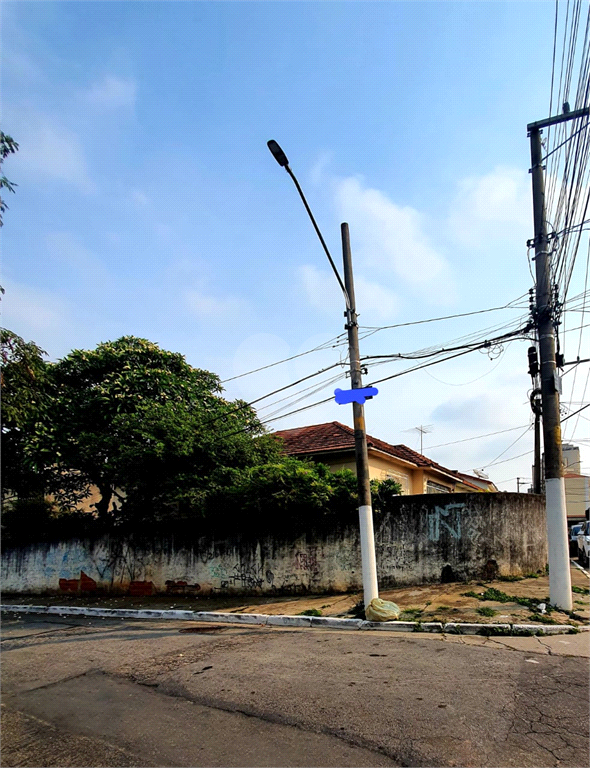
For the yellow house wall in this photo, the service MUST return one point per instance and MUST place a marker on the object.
(379, 469)
(413, 480)
(577, 496)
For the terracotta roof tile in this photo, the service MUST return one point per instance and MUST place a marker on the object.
(334, 436)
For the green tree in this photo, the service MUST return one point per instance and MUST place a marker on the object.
(383, 493)
(8, 146)
(144, 427)
(285, 494)
(24, 400)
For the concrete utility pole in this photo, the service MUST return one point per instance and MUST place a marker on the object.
(369, 563)
(367, 535)
(560, 592)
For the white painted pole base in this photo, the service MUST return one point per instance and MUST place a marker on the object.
(560, 582)
(369, 562)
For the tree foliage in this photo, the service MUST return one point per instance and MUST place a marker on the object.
(24, 400)
(144, 427)
(8, 146)
(158, 444)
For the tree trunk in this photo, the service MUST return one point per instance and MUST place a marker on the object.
(102, 506)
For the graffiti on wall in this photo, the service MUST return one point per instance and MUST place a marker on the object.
(245, 576)
(445, 518)
(307, 561)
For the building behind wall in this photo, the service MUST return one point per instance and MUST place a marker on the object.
(577, 485)
(333, 444)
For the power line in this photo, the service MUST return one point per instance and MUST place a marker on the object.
(512, 458)
(583, 408)
(400, 373)
(465, 350)
(326, 345)
(243, 406)
(477, 437)
(446, 317)
(495, 461)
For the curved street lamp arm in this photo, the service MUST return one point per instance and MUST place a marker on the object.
(319, 234)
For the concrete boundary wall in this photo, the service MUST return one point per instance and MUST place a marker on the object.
(430, 538)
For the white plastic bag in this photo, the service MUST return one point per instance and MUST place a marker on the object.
(381, 610)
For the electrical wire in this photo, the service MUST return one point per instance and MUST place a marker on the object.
(467, 383)
(512, 458)
(583, 408)
(477, 437)
(510, 305)
(326, 345)
(495, 461)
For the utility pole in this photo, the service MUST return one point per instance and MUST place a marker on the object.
(518, 479)
(560, 593)
(369, 563)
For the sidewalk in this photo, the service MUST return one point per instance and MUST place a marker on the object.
(432, 603)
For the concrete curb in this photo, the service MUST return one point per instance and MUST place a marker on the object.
(451, 628)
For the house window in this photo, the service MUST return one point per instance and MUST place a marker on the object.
(432, 487)
(403, 480)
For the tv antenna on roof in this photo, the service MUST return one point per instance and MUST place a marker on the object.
(423, 430)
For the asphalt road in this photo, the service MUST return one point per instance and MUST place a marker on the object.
(79, 692)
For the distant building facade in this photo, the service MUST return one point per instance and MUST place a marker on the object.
(333, 444)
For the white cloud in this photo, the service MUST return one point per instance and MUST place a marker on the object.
(319, 168)
(20, 66)
(390, 239)
(112, 93)
(374, 301)
(52, 150)
(65, 249)
(139, 198)
(485, 410)
(207, 306)
(35, 314)
(259, 350)
(495, 205)
(322, 289)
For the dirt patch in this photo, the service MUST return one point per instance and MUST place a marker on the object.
(430, 602)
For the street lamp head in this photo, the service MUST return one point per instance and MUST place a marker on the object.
(278, 153)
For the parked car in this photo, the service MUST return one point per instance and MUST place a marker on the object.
(584, 544)
(574, 531)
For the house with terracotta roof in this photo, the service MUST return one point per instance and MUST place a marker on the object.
(333, 444)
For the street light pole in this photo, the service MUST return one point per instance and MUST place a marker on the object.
(367, 535)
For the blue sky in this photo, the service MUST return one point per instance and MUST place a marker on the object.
(148, 203)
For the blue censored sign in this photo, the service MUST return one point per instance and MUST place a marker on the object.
(344, 396)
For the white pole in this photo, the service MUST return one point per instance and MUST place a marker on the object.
(560, 581)
(370, 586)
